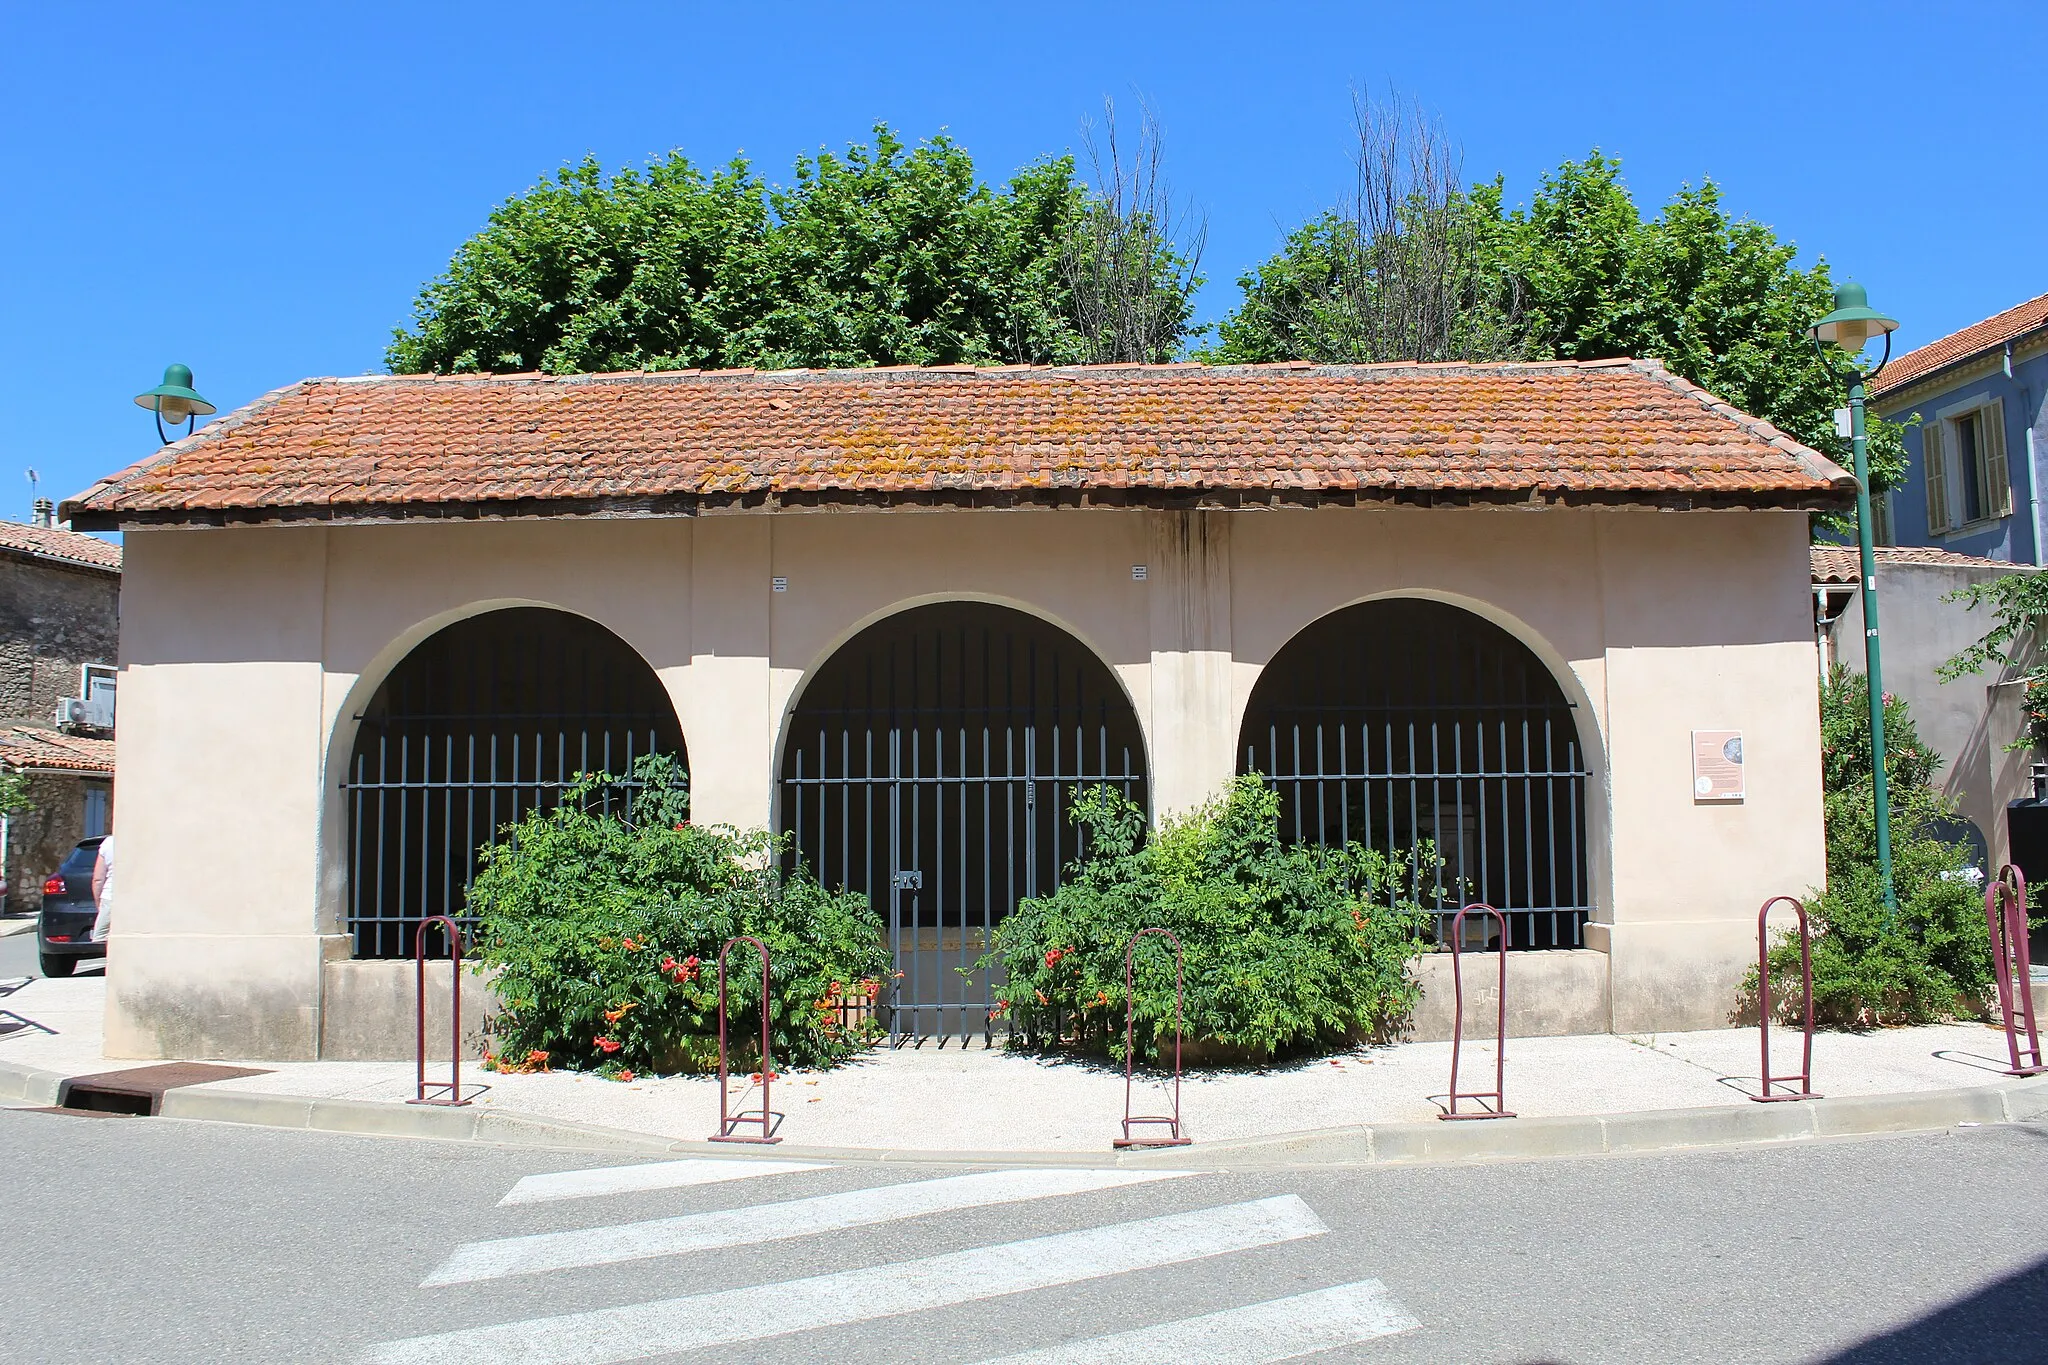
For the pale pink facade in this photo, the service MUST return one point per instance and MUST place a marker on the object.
(248, 652)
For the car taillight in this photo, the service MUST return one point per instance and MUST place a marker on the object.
(54, 887)
(60, 938)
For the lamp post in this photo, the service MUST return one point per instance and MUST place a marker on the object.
(1847, 330)
(176, 399)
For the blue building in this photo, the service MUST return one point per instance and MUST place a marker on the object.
(1974, 480)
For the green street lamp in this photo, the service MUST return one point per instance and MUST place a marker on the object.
(176, 399)
(1841, 337)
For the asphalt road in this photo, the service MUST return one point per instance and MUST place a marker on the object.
(126, 1239)
(18, 956)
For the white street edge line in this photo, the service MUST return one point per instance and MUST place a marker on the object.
(758, 1312)
(1257, 1334)
(753, 1224)
(653, 1175)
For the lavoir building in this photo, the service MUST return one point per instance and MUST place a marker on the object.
(1553, 617)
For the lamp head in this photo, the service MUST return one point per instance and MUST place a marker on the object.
(175, 398)
(1853, 323)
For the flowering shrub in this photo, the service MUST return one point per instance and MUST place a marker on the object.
(1287, 948)
(1935, 956)
(604, 932)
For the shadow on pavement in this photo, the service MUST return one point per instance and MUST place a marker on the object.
(2002, 1321)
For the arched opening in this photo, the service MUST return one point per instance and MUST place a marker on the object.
(929, 765)
(1402, 720)
(482, 722)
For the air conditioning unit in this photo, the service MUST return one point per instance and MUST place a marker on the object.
(94, 712)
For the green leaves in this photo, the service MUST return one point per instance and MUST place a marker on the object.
(885, 255)
(2019, 605)
(604, 930)
(1286, 948)
(1581, 274)
(1935, 958)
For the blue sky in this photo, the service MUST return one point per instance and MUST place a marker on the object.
(260, 191)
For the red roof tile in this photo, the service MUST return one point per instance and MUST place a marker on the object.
(1987, 335)
(1843, 564)
(64, 547)
(31, 747)
(1614, 431)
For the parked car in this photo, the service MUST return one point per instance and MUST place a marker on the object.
(64, 929)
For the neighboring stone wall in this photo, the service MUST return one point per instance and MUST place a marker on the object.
(52, 619)
(38, 838)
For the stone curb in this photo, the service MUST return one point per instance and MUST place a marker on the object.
(1384, 1144)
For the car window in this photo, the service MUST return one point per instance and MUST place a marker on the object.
(79, 861)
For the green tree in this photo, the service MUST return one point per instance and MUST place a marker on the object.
(888, 256)
(1579, 273)
(15, 793)
(883, 255)
(658, 269)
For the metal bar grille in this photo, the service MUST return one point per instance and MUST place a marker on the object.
(1395, 722)
(481, 724)
(931, 767)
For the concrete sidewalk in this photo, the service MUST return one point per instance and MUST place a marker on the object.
(935, 1099)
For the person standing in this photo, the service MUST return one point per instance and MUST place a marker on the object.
(103, 889)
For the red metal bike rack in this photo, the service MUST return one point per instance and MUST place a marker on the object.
(453, 931)
(728, 1121)
(1176, 1134)
(2005, 913)
(1500, 1108)
(1763, 1007)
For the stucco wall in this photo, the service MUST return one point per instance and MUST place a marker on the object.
(2017, 538)
(249, 651)
(1968, 721)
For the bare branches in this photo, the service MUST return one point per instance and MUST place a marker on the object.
(1132, 256)
(1405, 269)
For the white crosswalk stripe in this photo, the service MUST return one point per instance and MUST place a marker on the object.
(656, 1175)
(1258, 1334)
(639, 1331)
(767, 1222)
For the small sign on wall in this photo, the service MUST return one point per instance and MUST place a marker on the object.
(1717, 765)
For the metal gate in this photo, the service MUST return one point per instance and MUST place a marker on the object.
(481, 723)
(931, 766)
(1402, 720)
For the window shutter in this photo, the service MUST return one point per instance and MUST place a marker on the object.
(1997, 482)
(1937, 475)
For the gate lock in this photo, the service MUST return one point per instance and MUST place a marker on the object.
(912, 880)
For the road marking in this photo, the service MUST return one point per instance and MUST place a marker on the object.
(1282, 1329)
(655, 1175)
(756, 1313)
(757, 1223)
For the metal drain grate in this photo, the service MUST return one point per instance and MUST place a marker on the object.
(140, 1090)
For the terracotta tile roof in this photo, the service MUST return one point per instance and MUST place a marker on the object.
(1842, 564)
(1610, 431)
(64, 547)
(1974, 340)
(33, 747)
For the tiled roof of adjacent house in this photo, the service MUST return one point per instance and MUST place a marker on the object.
(33, 747)
(1989, 334)
(625, 444)
(1842, 564)
(64, 547)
